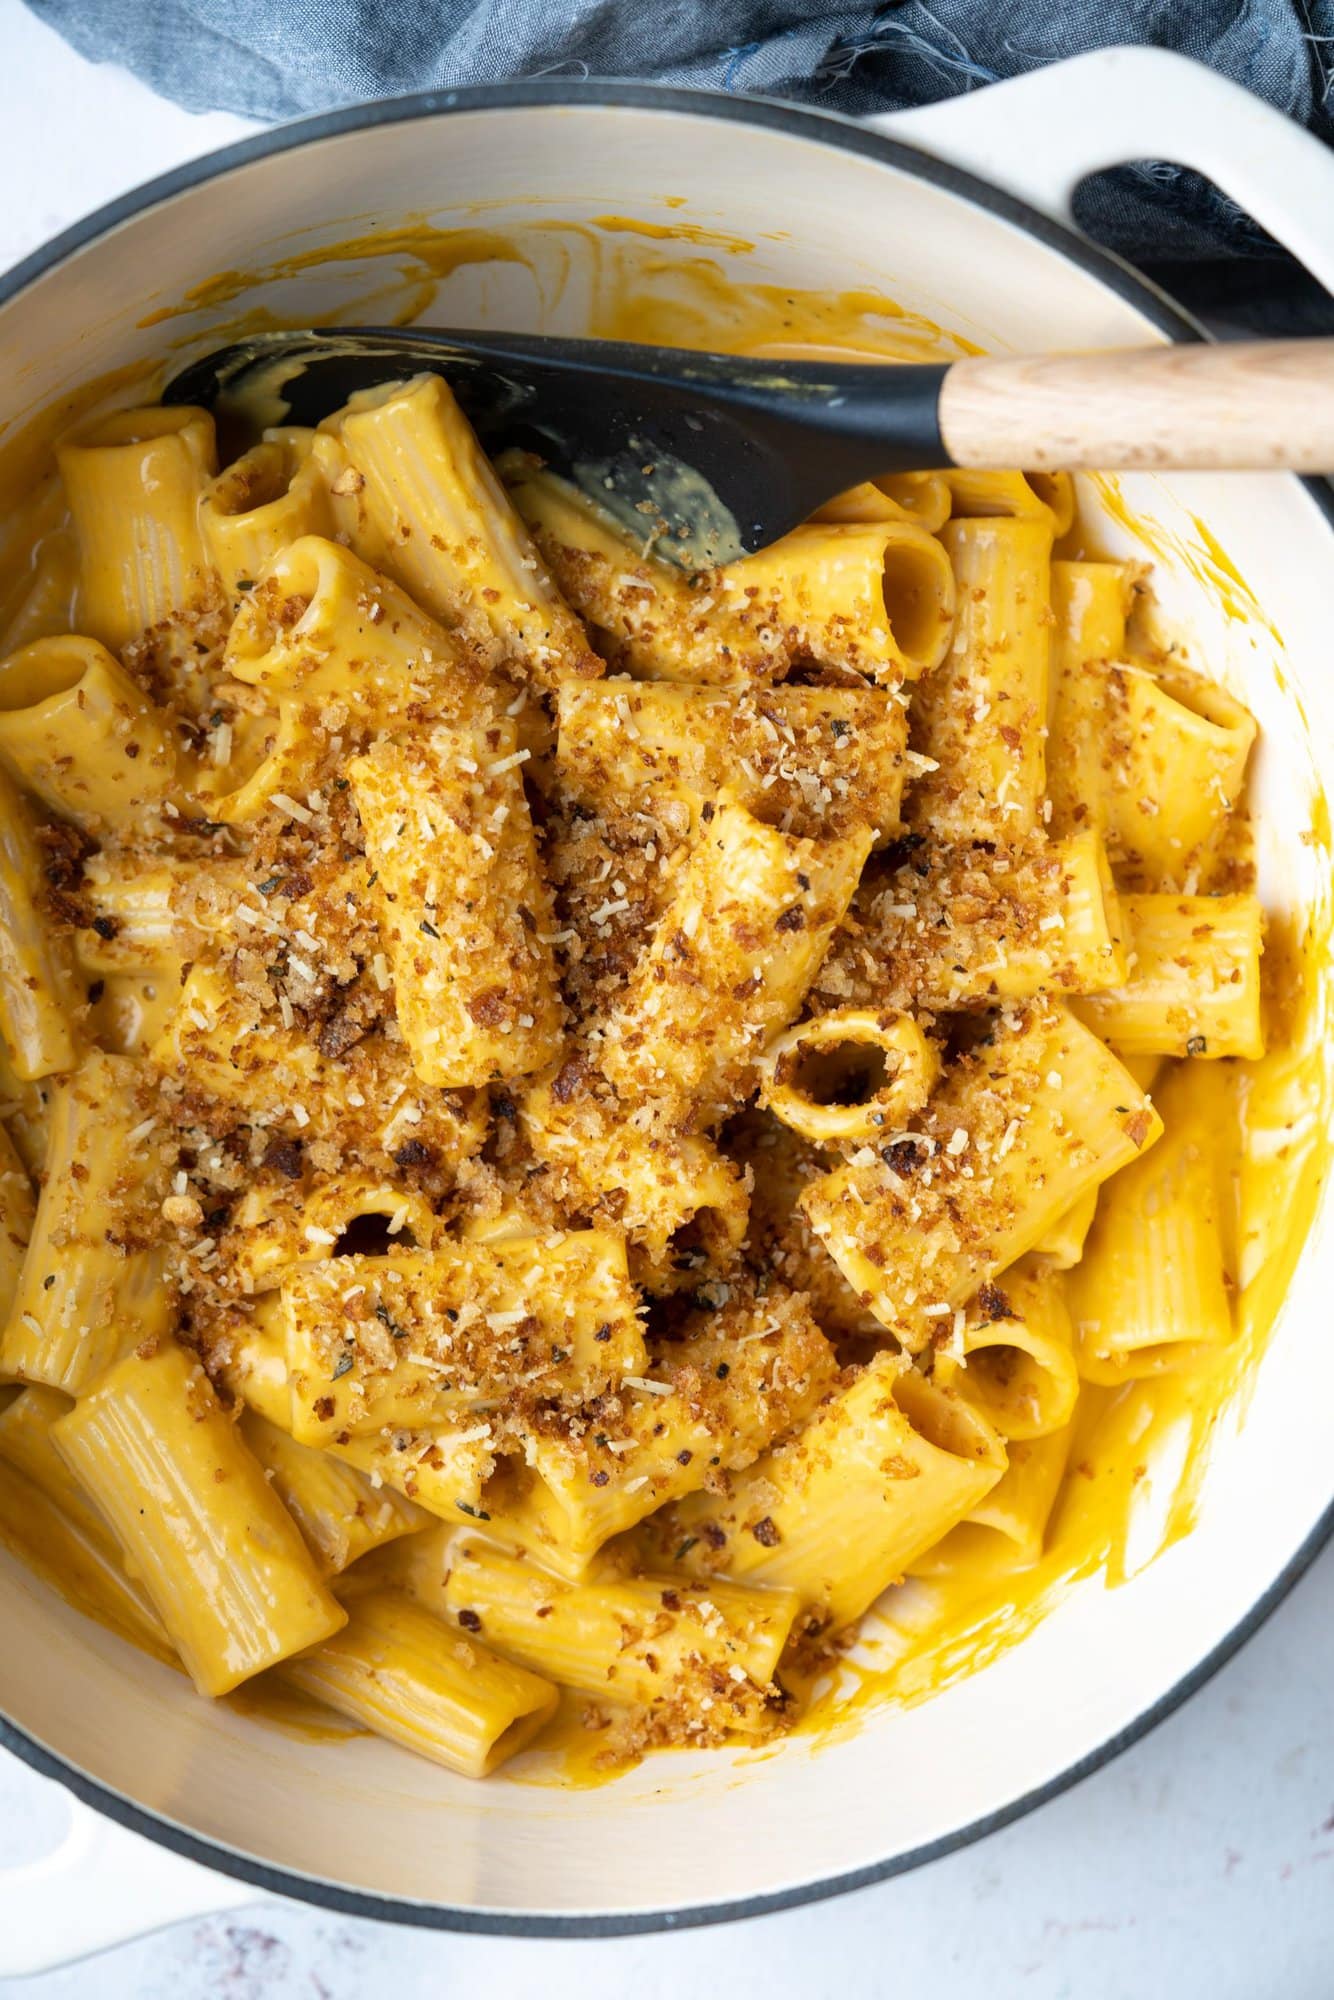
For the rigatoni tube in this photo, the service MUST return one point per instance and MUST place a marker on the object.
(270, 496)
(819, 758)
(738, 1378)
(134, 482)
(955, 923)
(420, 1337)
(876, 598)
(424, 504)
(367, 1094)
(58, 1528)
(441, 1470)
(279, 1226)
(1016, 1135)
(214, 1547)
(1090, 602)
(18, 1206)
(645, 613)
(979, 720)
(76, 731)
(680, 1201)
(1194, 979)
(1061, 1245)
(921, 497)
(87, 1291)
(338, 650)
(38, 995)
(1021, 496)
(439, 1692)
(730, 960)
(1168, 799)
(462, 903)
(150, 919)
(28, 1108)
(43, 602)
(1164, 799)
(882, 1471)
(1014, 1361)
(848, 1075)
(1154, 1288)
(643, 1639)
(1020, 1505)
(322, 624)
(340, 1513)
(83, 1565)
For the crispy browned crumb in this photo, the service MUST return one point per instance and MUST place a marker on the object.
(937, 925)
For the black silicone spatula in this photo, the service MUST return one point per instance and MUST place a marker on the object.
(723, 455)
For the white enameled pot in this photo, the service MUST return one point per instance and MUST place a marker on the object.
(828, 204)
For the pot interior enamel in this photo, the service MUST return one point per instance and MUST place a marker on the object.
(788, 200)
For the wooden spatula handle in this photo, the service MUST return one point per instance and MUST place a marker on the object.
(1243, 405)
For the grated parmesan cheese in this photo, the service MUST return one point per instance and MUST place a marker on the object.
(293, 808)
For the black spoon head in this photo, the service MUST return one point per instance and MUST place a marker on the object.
(704, 457)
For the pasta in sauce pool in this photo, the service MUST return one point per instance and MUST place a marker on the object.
(588, 1121)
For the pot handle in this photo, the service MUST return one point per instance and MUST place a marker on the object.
(1037, 136)
(101, 1886)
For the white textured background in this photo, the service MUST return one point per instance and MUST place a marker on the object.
(1199, 1864)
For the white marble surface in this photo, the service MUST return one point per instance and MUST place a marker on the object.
(1200, 1863)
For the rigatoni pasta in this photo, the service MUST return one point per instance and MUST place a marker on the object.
(980, 719)
(341, 1512)
(567, 1128)
(418, 1336)
(153, 1431)
(463, 907)
(680, 1201)
(1164, 800)
(923, 497)
(944, 924)
(742, 1374)
(82, 736)
(663, 1643)
(47, 1518)
(1042, 496)
(17, 1209)
(849, 1075)
(420, 499)
(731, 959)
(822, 758)
(1193, 985)
(41, 603)
(876, 598)
(38, 997)
(1159, 1272)
(884, 1470)
(262, 502)
(133, 482)
(91, 1281)
(1019, 1506)
(1020, 1132)
(400, 1672)
(1014, 1360)
(331, 651)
